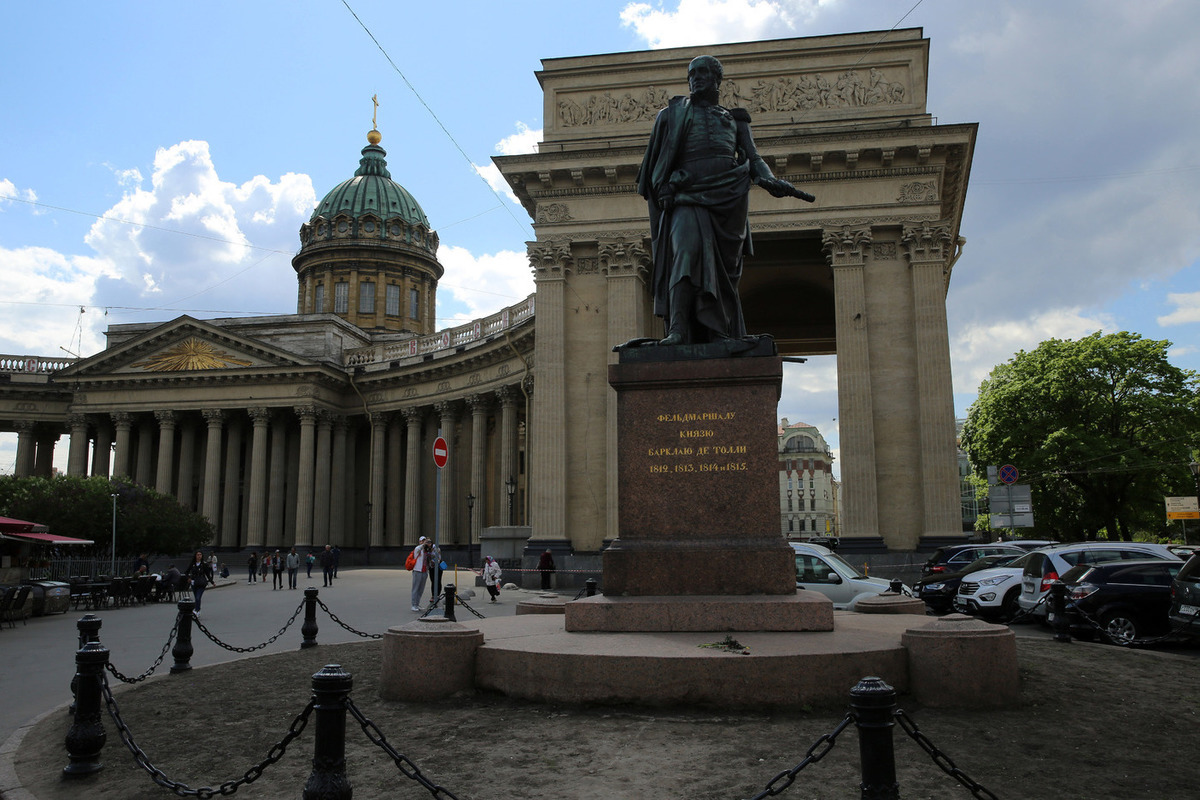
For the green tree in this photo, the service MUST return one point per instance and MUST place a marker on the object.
(1102, 428)
(147, 522)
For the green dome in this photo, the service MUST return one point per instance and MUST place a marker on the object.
(371, 191)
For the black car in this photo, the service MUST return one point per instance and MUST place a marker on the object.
(938, 590)
(956, 557)
(1120, 601)
(1185, 599)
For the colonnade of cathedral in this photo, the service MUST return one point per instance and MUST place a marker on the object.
(308, 475)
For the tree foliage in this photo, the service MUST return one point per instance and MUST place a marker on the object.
(147, 522)
(1102, 428)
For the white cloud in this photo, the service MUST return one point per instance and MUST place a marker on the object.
(9, 192)
(482, 285)
(1187, 309)
(43, 293)
(977, 347)
(711, 21)
(525, 140)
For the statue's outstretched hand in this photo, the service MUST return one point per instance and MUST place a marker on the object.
(781, 188)
(666, 198)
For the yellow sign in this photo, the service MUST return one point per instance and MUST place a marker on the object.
(1183, 515)
(1182, 508)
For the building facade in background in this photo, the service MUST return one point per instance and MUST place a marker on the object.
(807, 488)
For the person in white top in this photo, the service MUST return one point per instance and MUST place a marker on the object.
(428, 557)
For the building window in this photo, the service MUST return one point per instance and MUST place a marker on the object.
(393, 300)
(366, 298)
(791, 525)
(414, 303)
(789, 504)
(319, 299)
(341, 297)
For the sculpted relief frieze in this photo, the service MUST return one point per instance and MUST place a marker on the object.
(816, 90)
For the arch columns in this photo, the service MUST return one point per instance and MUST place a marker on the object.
(214, 419)
(307, 478)
(552, 262)
(123, 423)
(166, 451)
(78, 452)
(479, 405)
(413, 417)
(26, 447)
(378, 513)
(324, 472)
(102, 452)
(448, 417)
(256, 523)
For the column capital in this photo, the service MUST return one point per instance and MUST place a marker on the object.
(166, 418)
(507, 395)
(77, 420)
(550, 259)
(446, 408)
(925, 241)
(478, 403)
(413, 414)
(306, 413)
(215, 417)
(845, 246)
(121, 419)
(259, 415)
(622, 257)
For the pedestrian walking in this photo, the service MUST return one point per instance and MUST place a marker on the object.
(491, 577)
(326, 559)
(336, 552)
(309, 560)
(293, 566)
(277, 570)
(264, 563)
(198, 576)
(546, 567)
(426, 558)
(252, 563)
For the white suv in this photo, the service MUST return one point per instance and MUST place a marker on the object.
(992, 592)
(820, 570)
(1040, 572)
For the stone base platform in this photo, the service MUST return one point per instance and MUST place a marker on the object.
(547, 603)
(533, 657)
(802, 611)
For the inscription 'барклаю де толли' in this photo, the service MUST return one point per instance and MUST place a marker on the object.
(694, 457)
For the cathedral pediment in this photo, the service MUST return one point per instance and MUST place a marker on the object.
(186, 345)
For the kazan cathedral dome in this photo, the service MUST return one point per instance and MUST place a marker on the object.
(368, 255)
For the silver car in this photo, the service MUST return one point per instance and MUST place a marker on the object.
(818, 569)
(1040, 572)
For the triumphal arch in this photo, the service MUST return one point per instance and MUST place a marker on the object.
(862, 273)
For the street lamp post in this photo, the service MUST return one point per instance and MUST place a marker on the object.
(1195, 468)
(470, 529)
(510, 485)
(113, 567)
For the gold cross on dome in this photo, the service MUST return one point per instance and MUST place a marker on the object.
(375, 101)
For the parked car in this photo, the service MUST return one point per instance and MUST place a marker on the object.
(1128, 600)
(955, 557)
(939, 591)
(1185, 599)
(820, 570)
(992, 593)
(1031, 544)
(1055, 561)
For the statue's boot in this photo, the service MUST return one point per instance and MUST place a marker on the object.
(679, 330)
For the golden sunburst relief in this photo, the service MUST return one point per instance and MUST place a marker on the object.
(191, 353)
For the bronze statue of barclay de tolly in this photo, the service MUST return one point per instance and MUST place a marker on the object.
(696, 178)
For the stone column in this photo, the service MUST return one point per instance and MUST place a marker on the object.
(378, 479)
(166, 451)
(552, 262)
(627, 263)
(123, 422)
(187, 464)
(413, 417)
(103, 449)
(508, 396)
(77, 455)
(215, 419)
(845, 248)
(143, 470)
(277, 487)
(26, 447)
(43, 462)
(256, 522)
(337, 495)
(306, 479)
(394, 526)
(323, 473)
(479, 406)
(448, 416)
(230, 530)
(929, 249)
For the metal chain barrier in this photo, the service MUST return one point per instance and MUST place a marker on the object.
(403, 762)
(1020, 615)
(157, 662)
(819, 749)
(941, 759)
(196, 621)
(205, 792)
(1171, 634)
(355, 631)
(467, 606)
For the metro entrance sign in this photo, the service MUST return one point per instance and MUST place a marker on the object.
(441, 452)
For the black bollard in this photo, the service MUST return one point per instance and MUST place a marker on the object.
(89, 631)
(896, 586)
(86, 737)
(182, 651)
(874, 706)
(1058, 611)
(590, 585)
(328, 781)
(450, 595)
(309, 628)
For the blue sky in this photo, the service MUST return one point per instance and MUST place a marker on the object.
(216, 127)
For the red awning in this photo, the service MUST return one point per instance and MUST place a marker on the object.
(43, 538)
(10, 525)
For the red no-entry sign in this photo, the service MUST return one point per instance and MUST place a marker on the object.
(441, 452)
